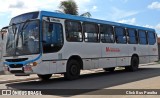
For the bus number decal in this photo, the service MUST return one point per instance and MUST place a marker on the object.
(154, 49)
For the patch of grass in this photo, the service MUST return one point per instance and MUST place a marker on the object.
(158, 62)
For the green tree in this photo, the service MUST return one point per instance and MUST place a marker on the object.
(70, 7)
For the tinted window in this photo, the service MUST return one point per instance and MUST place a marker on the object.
(52, 37)
(91, 32)
(142, 37)
(120, 35)
(24, 17)
(151, 38)
(132, 35)
(73, 31)
(107, 35)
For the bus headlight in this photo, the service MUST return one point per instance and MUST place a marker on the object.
(34, 64)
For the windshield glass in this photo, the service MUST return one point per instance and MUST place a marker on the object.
(23, 39)
(24, 17)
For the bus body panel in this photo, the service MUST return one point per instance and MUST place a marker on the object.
(122, 57)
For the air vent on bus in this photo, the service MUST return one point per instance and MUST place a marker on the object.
(16, 65)
(17, 60)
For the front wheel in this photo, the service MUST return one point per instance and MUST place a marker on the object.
(45, 77)
(134, 64)
(72, 70)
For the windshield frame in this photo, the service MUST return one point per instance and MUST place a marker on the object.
(39, 43)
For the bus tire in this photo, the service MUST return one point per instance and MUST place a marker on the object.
(72, 70)
(45, 77)
(134, 64)
(109, 69)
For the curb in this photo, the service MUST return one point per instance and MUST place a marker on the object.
(27, 79)
(17, 80)
(1, 73)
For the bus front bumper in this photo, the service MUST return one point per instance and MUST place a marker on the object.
(22, 71)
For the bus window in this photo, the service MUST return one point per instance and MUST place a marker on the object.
(151, 38)
(91, 32)
(107, 35)
(120, 35)
(52, 37)
(132, 34)
(142, 37)
(73, 31)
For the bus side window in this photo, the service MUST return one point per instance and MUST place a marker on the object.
(132, 36)
(151, 38)
(52, 37)
(91, 32)
(120, 35)
(73, 31)
(107, 34)
(142, 37)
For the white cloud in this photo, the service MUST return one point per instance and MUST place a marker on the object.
(148, 26)
(94, 8)
(128, 21)
(158, 26)
(154, 5)
(117, 14)
(17, 7)
(124, 1)
(19, 4)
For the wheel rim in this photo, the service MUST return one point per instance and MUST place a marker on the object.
(74, 70)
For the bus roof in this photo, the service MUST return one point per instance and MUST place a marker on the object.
(80, 18)
(67, 16)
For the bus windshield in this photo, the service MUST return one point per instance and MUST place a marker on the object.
(23, 39)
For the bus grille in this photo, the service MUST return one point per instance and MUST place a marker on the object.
(16, 65)
(16, 60)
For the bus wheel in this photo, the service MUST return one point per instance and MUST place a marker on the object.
(134, 64)
(45, 77)
(73, 70)
(109, 69)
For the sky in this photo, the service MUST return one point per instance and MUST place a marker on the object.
(144, 13)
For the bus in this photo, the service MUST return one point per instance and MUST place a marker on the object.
(46, 43)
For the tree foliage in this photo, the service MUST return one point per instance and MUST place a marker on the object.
(70, 7)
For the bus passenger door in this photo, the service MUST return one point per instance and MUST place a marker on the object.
(52, 44)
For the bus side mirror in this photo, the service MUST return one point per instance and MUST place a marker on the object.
(3, 32)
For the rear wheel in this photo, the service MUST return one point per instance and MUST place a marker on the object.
(109, 69)
(134, 64)
(45, 77)
(72, 70)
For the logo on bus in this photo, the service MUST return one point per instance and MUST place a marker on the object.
(154, 49)
(108, 49)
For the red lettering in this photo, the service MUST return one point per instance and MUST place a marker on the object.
(107, 49)
(112, 49)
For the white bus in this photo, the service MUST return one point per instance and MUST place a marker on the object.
(46, 43)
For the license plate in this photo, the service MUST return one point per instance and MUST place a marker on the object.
(14, 69)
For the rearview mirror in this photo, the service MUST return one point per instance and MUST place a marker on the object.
(3, 32)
